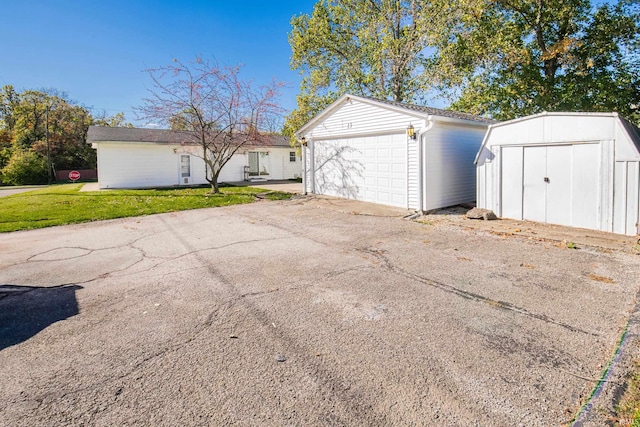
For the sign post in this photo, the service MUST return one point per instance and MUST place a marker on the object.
(74, 176)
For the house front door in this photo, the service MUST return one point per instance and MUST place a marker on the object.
(185, 169)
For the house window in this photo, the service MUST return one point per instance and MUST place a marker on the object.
(292, 156)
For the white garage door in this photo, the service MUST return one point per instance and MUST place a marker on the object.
(371, 169)
(558, 184)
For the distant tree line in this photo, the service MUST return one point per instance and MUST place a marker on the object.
(28, 117)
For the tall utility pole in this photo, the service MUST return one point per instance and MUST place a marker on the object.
(46, 133)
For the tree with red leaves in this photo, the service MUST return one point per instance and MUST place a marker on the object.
(213, 108)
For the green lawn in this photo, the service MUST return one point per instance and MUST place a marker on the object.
(65, 204)
(628, 409)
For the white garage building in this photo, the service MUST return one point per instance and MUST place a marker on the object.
(360, 148)
(139, 158)
(575, 169)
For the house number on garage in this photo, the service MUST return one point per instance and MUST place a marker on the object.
(347, 125)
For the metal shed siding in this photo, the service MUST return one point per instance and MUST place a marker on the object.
(597, 155)
(449, 175)
(552, 128)
(626, 207)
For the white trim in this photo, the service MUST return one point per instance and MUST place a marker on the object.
(304, 130)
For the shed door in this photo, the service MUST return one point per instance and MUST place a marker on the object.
(560, 184)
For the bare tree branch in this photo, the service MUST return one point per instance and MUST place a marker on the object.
(213, 107)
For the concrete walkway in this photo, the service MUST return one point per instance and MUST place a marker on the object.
(90, 186)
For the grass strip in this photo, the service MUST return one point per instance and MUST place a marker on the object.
(65, 204)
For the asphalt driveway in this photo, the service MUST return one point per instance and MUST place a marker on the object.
(297, 313)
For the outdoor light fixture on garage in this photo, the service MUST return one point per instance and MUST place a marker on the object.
(303, 141)
(411, 132)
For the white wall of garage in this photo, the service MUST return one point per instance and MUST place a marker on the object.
(575, 169)
(358, 149)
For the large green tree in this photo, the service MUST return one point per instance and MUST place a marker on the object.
(508, 58)
(366, 47)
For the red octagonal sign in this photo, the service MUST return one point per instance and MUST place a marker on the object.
(74, 175)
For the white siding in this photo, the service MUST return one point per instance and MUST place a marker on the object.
(591, 155)
(626, 210)
(554, 129)
(141, 165)
(232, 171)
(278, 164)
(413, 175)
(359, 118)
(449, 172)
(511, 161)
(488, 162)
(291, 170)
(437, 171)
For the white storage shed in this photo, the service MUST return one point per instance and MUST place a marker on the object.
(402, 155)
(139, 158)
(574, 169)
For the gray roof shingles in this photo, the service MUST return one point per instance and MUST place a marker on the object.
(437, 111)
(161, 136)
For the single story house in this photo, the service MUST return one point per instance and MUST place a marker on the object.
(574, 169)
(139, 158)
(391, 153)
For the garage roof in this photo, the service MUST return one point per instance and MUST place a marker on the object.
(161, 136)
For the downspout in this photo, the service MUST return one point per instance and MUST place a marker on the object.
(428, 124)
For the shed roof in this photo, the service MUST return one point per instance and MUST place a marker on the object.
(415, 110)
(632, 131)
(162, 136)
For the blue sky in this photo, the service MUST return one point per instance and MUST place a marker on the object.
(96, 51)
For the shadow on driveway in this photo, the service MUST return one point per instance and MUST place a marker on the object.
(27, 310)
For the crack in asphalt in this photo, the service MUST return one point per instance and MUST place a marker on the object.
(387, 264)
(192, 335)
(89, 251)
(353, 400)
